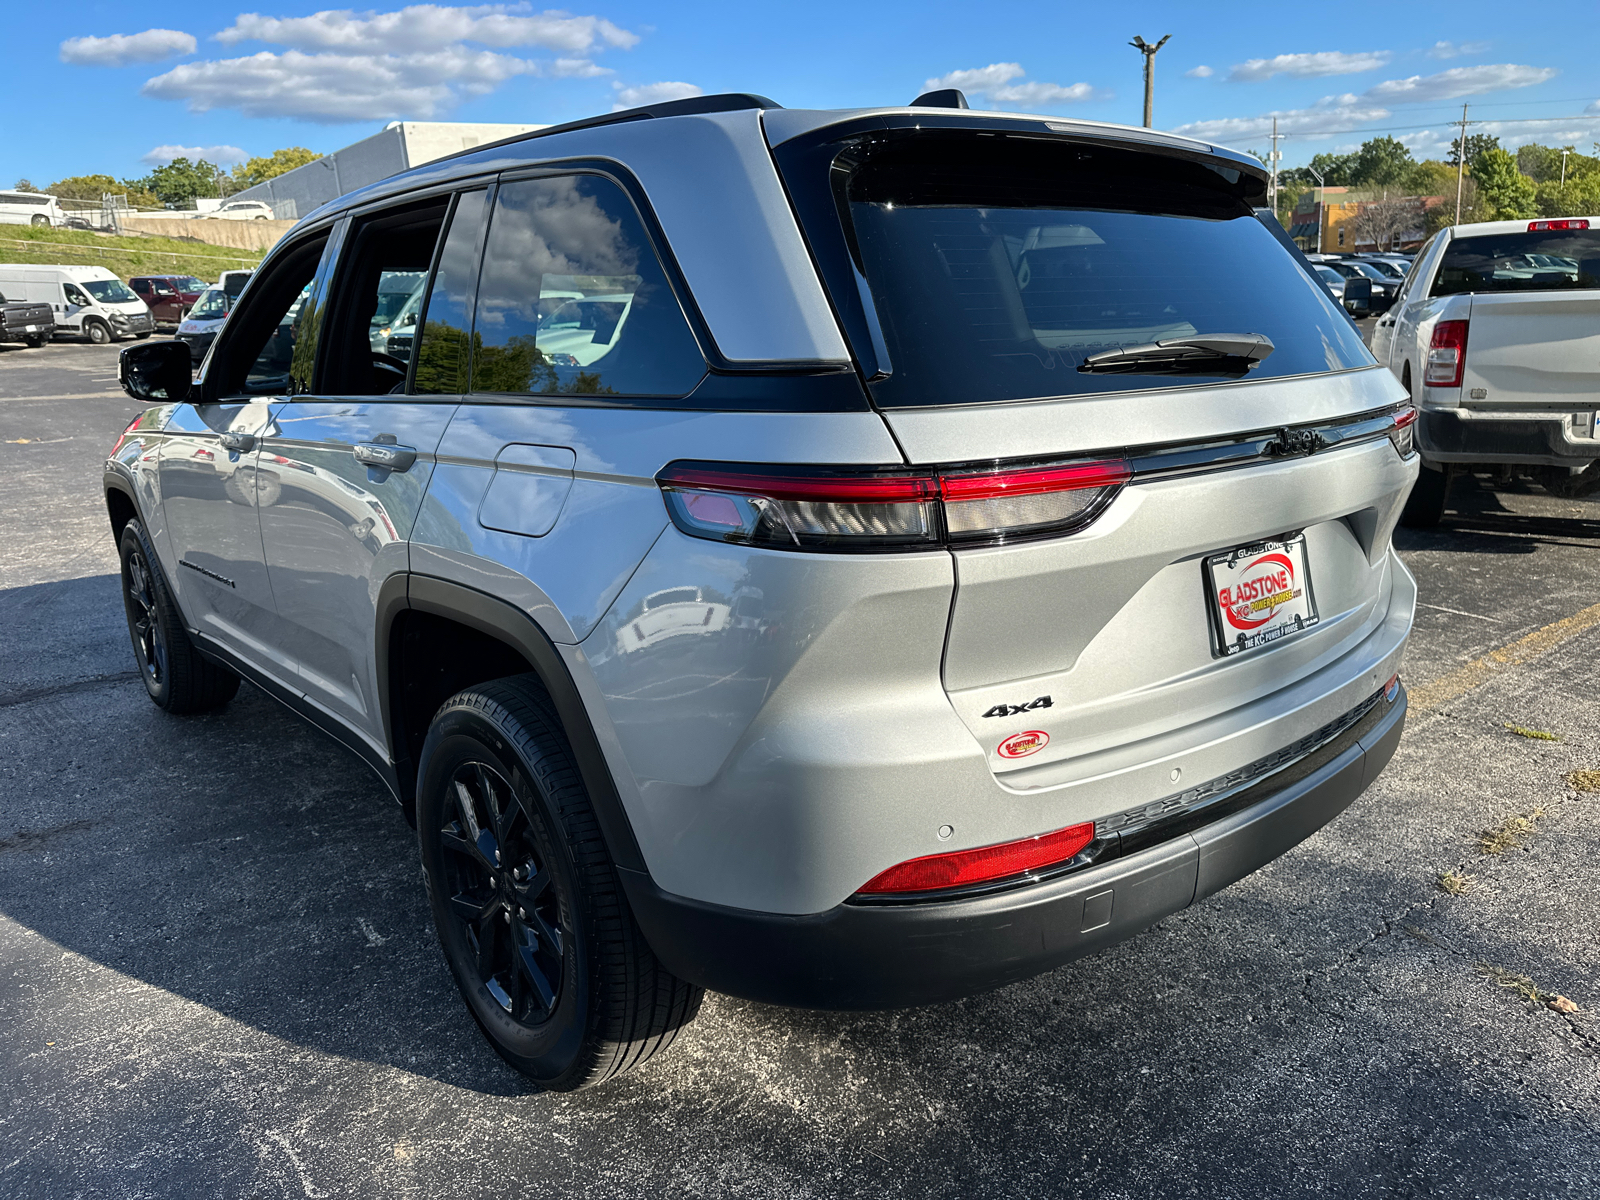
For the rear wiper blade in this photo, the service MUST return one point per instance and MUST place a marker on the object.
(1216, 353)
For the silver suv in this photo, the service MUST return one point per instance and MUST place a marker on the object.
(842, 559)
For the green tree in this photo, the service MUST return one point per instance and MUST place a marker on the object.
(1338, 170)
(24, 185)
(1578, 197)
(180, 182)
(1381, 162)
(94, 187)
(1477, 145)
(259, 170)
(1431, 178)
(1504, 193)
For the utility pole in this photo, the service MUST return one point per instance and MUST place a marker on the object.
(1275, 154)
(1317, 175)
(1149, 53)
(1461, 161)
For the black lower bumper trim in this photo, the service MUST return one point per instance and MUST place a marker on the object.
(1445, 437)
(857, 957)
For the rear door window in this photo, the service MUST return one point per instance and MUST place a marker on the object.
(1546, 260)
(572, 299)
(997, 265)
(443, 354)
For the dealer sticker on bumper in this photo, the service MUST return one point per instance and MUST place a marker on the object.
(1259, 594)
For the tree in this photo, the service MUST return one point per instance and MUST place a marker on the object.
(259, 170)
(1431, 178)
(1381, 221)
(1477, 145)
(1578, 197)
(1337, 169)
(1504, 193)
(181, 181)
(24, 186)
(1381, 162)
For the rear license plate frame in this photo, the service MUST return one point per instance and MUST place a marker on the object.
(1255, 563)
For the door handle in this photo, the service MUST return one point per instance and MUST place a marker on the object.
(385, 455)
(243, 443)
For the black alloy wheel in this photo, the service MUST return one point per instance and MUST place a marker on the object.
(527, 903)
(149, 644)
(502, 894)
(178, 678)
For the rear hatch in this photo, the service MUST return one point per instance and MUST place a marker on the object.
(989, 274)
(1533, 339)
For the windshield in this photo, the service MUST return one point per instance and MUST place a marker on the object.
(109, 291)
(998, 266)
(1546, 260)
(1328, 275)
(1388, 270)
(212, 306)
(188, 283)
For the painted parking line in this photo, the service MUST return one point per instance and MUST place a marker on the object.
(1480, 670)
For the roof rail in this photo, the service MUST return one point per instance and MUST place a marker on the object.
(721, 102)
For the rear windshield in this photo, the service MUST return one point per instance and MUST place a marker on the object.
(998, 265)
(1549, 260)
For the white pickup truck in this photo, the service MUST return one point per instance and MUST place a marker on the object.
(1496, 334)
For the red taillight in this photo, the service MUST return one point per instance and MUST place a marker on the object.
(1564, 223)
(845, 509)
(983, 865)
(1403, 433)
(1447, 355)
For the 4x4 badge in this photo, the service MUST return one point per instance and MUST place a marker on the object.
(1016, 710)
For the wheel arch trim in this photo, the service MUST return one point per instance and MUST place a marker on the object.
(495, 617)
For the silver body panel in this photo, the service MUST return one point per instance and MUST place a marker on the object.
(334, 531)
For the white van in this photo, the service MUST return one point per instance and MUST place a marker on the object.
(87, 302)
(30, 208)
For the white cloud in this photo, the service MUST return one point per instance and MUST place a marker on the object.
(1435, 143)
(1460, 81)
(1593, 108)
(995, 83)
(576, 68)
(652, 93)
(1452, 50)
(1308, 66)
(1042, 93)
(162, 155)
(977, 79)
(1200, 72)
(335, 88)
(120, 49)
(421, 27)
(1329, 113)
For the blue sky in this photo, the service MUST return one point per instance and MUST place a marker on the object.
(120, 87)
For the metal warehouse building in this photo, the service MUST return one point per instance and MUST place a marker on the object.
(400, 146)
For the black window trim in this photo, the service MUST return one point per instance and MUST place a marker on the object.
(490, 187)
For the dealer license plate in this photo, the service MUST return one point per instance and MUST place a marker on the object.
(31, 329)
(1259, 594)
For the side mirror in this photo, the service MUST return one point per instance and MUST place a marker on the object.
(156, 371)
(1358, 295)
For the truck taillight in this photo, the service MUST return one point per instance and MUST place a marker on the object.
(1563, 223)
(856, 509)
(1447, 355)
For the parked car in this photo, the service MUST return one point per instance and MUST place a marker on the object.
(30, 208)
(1332, 278)
(1377, 290)
(233, 282)
(866, 354)
(1497, 336)
(199, 328)
(168, 297)
(1390, 268)
(243, 210)
(25, 321)
(88, 302)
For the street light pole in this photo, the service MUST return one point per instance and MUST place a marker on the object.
(1149, 53)
(1564, 154)
(1320, 205)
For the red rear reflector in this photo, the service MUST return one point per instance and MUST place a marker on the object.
(1564, 223)
(984, 864)
(1447, 355)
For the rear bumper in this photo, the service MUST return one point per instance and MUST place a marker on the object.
(1447, 436)
(856, 957)
(198, 344)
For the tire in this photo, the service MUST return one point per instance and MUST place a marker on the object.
(1569, 486)
(97, 332)
(35, 341)
(141, 336)
(549, 960)
(178, 679)
(1425, 506)
(39, 220)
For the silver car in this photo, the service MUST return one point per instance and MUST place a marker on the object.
(942, 545)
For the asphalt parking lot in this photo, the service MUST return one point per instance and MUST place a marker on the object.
(218, 975)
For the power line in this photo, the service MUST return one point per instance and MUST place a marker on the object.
(1299, 133)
